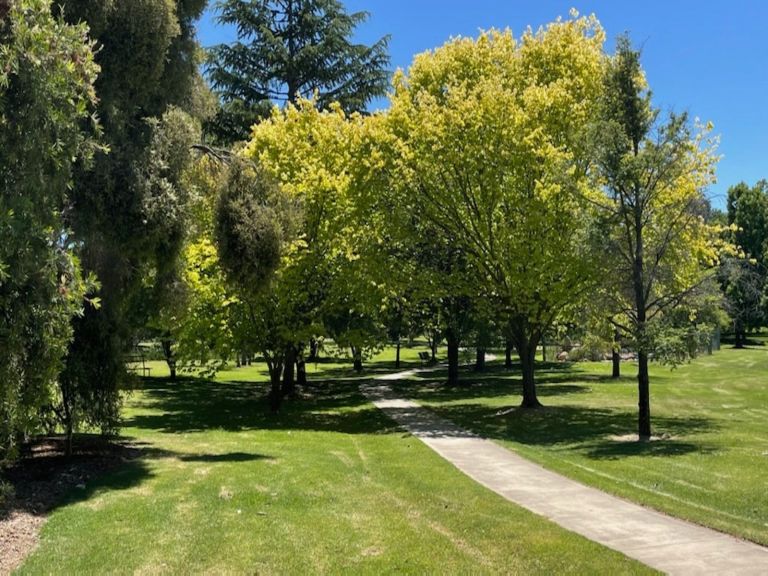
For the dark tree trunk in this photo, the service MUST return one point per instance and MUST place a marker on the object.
(643, 381)
(508, 355)
(357, 356)
(301, 371)
(616, 355)
(68, 440)
(480, 359)
(543, 350)
(170, 359)
(527, 350)
(644, 396)
(453, 358)
(433, 349)
(739, 335)
(397, 354)
(289, 384)
(68, 431)
(65, 416)
(275, 394)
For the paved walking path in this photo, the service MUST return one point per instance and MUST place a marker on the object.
(659, 541)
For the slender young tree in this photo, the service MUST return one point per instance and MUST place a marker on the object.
(655, 236)
(289, 49)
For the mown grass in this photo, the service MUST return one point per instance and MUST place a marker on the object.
(710, 464)
(328, 486)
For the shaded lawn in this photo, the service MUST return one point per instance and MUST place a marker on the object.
(710, 465)
(328, 486)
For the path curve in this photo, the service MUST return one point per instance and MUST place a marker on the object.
(659, 541)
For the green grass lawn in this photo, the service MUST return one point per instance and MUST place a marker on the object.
(711, 465)
(328, 486)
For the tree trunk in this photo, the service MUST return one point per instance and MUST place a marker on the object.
(616, 355)
(643, 381)
(170, 359)
(275, 395)
(65, 415)
(527, 350)
(543, 350)
(433, 349)
(357, 356)
(480, 359)
(644, 396)
(453, 358)
(739, 334)
(289, 384)
(508, 355)
(69, 434)
(397, 354)
(301, 371)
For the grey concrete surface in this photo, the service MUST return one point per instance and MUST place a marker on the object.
(659, 541)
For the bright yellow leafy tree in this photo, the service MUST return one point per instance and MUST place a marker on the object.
(489, 139)
(322, 160)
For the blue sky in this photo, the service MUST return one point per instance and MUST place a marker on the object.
(707, 58)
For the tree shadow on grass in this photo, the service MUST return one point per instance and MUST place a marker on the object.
(598, 433)
(560, 379)
(485, 388)
(229, 457)
(193, 405)
(46, 479)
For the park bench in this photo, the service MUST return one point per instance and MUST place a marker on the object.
(425, 356)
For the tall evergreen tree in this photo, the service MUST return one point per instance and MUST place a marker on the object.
(288, 49)
(128, 210)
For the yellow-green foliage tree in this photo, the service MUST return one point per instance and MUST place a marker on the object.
(488, 135)
(324, 160)
(652, 175)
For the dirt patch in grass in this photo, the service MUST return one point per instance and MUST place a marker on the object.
(41, 478)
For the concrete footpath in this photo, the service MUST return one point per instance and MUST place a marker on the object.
(661, 542)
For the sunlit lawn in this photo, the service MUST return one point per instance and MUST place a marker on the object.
(710, 465)
(328, 486)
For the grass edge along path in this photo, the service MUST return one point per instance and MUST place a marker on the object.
(708, 464)
(661, 542)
